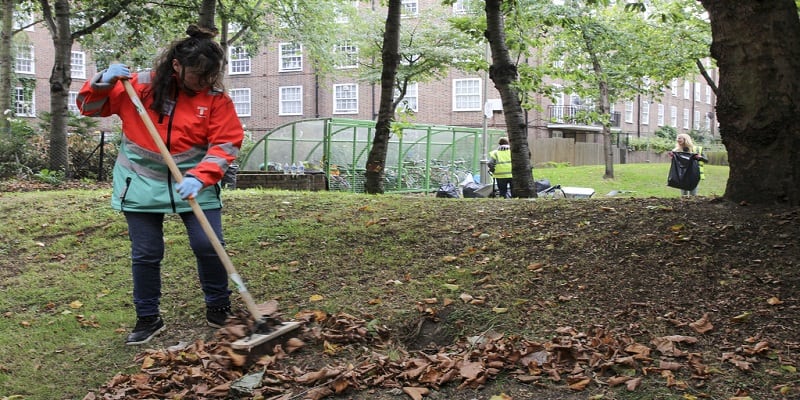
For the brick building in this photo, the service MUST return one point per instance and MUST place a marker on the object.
(278, 86)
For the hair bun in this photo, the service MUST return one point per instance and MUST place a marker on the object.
(201, 32)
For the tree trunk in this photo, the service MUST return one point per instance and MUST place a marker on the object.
(60, 81)
(757, 48)
(376, 161)
(207, 13)
(6, 61)
(503, 73)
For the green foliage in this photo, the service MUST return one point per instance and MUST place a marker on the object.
(666, 132)
(657, 145)
(84, 146)
(16, 154)
(52, 177)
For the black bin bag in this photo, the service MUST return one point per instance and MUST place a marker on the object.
(684, 173)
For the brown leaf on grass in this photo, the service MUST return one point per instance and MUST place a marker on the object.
(633, 384)
(580, 384)
(618, 380)
(294, 344)
(470, 370)
(416, 393)
(318, 393)
(315, 376)
(702, 325)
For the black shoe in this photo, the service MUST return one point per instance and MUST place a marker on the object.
(146, 328)
(216, 316)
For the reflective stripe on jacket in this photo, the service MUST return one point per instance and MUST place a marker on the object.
(502, 158)
(203, 135)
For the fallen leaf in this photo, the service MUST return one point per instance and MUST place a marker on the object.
(75, 305)
(416, 393)
(450, 286)
(315, 297)
(702, 325)
(449, 259)
(466, 298)
(581, 384)
(774, 301)
(501, 396)
(633, 384)
(500, 310)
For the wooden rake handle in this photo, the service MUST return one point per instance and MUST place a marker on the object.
(198, 212)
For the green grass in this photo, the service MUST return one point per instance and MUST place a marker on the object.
(632, 180)
(65, 279)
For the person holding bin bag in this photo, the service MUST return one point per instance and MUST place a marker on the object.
(197, 122)
(686, 170)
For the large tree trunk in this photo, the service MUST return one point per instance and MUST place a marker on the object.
(5, 63)
(207, 13)
(757, 48)
(376, 161)
(503, 73)
(60, 81)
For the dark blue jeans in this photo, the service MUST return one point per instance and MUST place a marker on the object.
(146, 231)
(504, 186)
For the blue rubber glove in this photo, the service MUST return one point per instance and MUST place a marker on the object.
(189, 187)
(115, 72)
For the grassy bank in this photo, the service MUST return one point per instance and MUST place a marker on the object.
(66, 287)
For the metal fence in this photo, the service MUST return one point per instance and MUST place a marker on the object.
(420, 157)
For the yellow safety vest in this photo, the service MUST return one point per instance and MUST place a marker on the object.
(502, 167)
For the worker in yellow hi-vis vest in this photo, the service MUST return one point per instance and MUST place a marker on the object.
(500, 167)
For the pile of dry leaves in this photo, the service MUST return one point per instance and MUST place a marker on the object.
(577, 359)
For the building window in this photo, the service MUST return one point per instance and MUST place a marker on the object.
(410, 101)
(78, 65)
(673, 116)
(467, 94)
(239, 61)
(343, 14)
(696, 122)
(462, 7)
(346, 55)
(708, 94)
(241, 101)
(645, 120)
(345, 99)
(660, 121)
(24, 102)
(708, 122)
(72, 106)
(23, 20)
(291, 100)
(687, 90)
(698, 96)
(291, 55)
(23, 63)
(410, 8)
(673, 87)
(629, 112)
(685, 118)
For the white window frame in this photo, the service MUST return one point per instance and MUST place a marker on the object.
(673, 87)
(411, 99)
(290, 57)
(708, 121)
(409, 8)
(462, 7)
(72, 105)
(21, 19)
(77, 61)
(345, 98)
(348, 52)
(698, 92)
(341, 15)
(696, 122)
(660, 117)
(464, 96)
(629, 112)
(673, 116)
(24, 61)
(645, 109)
(242, 101)
(239, 61)
(290, 100)
(708, 94)
(687, 90)
(24, 107)
(686, 118)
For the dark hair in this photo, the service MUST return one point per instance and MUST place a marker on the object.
(502, 141)
(199, 52)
